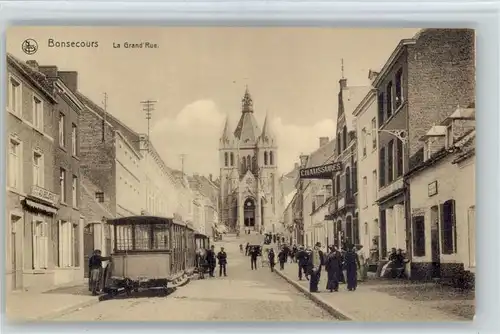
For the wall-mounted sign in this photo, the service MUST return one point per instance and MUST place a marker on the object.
(432, 188)
(44, 194)
(321, 172)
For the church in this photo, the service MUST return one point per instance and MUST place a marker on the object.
(249, 180)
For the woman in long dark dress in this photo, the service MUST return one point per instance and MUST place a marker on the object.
(272, 259)
(333, 266)
(351, 262)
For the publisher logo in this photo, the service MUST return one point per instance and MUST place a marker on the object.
(29, 46)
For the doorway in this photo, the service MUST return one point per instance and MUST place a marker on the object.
(249, 213)
(88, 246)
(435, 248)
(16, 256)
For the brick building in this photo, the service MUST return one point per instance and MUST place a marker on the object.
(69, 224)
(32, 202)
(422, 80)
(343, 209)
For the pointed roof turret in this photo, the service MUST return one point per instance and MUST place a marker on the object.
(247, 130)
(227, 137)
(267, 135)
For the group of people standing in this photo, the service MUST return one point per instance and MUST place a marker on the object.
(206, 262)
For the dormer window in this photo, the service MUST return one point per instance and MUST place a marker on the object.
(449, 136)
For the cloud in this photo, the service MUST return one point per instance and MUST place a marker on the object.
(196, 130)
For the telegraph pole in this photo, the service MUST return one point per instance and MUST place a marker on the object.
(148, 107)
(105, 103)
(183, 156)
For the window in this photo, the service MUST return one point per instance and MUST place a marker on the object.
(399, 91)
(449, 136)
(427, 150)
(271, 158)
(355, 229)
(448, 227)
(337, 184)
(226, 159)
(62, 184)
(344, 137)
(62, 137)
(249, 162)
(363, 141)
(14, 96)
(380, 102)
(265, 158)
(374, 185)
(374, 133)
(365, 191)
(328, 190)
(382, 167)
(37, 113)
(389, 99)
(65, 244)
(232, 159)
(390, 161)
(74, 140)
(74, 191)
(99, 196)
(15, 166)
(339, 147)
(419, 236)
(40, 240)
(399, 158)
(243, 164)
(37, 169)
(355, 177)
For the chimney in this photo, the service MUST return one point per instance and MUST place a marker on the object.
(33, 64)
(343, 83)
(70, 79)
(323, 141)
(372, 75)
(210, 177)
(296, 166)
(303, 160)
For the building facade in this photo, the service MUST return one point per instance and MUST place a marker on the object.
(343, 209)
(249, 181)
(423, 78)
(366, 132)
(32, 202)
(443, 200)
(70, 221)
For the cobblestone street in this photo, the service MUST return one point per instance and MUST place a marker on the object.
(244, 295)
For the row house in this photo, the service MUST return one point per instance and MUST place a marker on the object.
(66, 175)
(158, 182)
(343, 208)
(184, 209)
(367, 173)
(31, 202)
(110, 158)
(205, 203)
(316, 194)
(424, 77)
(442, 190)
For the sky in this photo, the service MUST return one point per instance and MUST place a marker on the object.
(198, 78)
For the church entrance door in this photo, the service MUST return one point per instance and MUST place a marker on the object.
(249, 212)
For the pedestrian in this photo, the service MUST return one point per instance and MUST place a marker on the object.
(201, 262)
(272, 259)
(241, 248)
(222, 257)
(211, 260)
(302, 261)
(362, 271)
(342, 272)
(294, 253)
(333, 267)
(351, 262)
(282, 258)
(315, 268)
(274, 238)
(247, 248)
(95, 270)
(254, 253)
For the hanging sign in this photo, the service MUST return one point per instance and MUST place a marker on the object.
(321, 172)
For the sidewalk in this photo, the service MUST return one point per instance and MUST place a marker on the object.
(388, 301)
(39, 306)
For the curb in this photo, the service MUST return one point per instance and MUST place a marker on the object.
(316, 299)
(68, 310)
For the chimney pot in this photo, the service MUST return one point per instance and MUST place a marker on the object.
(303, 160)
(210, 177)
(323, 141)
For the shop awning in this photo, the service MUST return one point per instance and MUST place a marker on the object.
(40, 206)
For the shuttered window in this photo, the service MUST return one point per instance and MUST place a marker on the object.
(419, 236)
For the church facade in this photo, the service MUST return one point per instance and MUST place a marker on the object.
(249, 180)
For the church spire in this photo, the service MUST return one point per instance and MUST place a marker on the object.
(227, 135)
(247, 102)
(267, 135)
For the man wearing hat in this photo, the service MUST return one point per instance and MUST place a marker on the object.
(316, 262)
